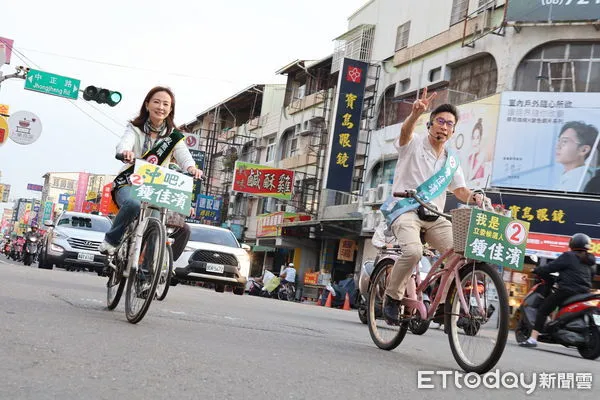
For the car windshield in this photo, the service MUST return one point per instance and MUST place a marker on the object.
(86, 223)
(214, 236)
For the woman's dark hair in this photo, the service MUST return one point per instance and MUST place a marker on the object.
(585, 257)
(140, 120)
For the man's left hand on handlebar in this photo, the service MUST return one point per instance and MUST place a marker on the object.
(480, 200)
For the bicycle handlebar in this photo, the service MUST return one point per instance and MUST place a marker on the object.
(411, 193)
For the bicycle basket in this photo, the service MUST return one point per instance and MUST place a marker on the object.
(460, 228)
(175, 220)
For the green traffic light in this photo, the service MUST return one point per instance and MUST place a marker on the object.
(115, 97)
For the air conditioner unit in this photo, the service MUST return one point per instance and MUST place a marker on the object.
(285, 208)
(368, 222)
(371, 196)
(384, 190)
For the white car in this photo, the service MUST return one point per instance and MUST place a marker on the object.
(213, 255)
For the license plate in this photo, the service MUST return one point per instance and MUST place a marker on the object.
(596, 319)
(218, 268)
(85, 257)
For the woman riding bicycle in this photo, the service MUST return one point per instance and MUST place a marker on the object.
(151, 136)
(424, 164)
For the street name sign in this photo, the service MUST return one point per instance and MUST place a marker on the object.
(48, 83)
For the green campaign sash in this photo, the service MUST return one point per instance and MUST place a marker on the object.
(393, 207)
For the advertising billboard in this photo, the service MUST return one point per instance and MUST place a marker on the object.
(548, 141)
(474, 138)
(552, 10)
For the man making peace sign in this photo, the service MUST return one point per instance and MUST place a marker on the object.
(426, 165)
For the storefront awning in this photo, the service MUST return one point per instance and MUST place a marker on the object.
(267, 249)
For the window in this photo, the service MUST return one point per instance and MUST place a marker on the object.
(383, 172)
(402, 36)
(270, 149)
(435, 74)
(63, 183)
(70, 184)
(459, 11)
(55, 182)
(289, 144)
(473, 80)
(560, 67)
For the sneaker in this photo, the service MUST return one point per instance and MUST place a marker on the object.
(391, 311)
(529, 343)
(106, 248)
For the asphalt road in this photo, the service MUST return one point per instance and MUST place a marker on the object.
(58, 341)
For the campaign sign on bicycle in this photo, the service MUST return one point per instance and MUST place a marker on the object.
(162, 187)
(496, 239)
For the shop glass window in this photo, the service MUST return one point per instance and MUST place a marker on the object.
(560, 67)
(383, 172)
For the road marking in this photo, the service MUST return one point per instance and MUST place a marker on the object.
(177, 312)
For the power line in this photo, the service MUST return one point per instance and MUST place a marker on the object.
(128, 66)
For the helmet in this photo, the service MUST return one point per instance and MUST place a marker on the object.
(580, 241)
(290, 264)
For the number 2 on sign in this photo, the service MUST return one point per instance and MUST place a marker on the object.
(515, 233)
(136, 179)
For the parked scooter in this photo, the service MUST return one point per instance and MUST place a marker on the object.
(575, 324)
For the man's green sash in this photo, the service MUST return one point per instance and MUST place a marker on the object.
(393, 207)
(156, 155)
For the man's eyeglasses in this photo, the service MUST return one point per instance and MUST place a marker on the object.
(441, 121)
(565, 141)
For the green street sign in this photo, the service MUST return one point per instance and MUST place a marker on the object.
(496, 239)
(57, 85)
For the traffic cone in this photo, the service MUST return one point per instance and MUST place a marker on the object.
(346, 303)
(328, 302)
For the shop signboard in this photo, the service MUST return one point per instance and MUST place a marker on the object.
(548, 141)
(208, 208)
(496, 239)
(261, 180)
(346, 250)
(552, 246)
(351, 84)
(552, 10)
(107, 205)
(82, 186)
(269, 225)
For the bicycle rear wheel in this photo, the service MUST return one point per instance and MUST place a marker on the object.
(384, 335)
(477, 339)
(165, 275)
(142, 281)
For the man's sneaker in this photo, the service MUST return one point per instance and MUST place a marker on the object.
(529, 343)
(391, 311)
(106, 248)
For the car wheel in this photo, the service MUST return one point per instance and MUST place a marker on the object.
(239, 290)
(219, 288)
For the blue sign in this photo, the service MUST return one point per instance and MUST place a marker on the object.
(63, 198)
(35, 188)
(208, 208)
(353, 77)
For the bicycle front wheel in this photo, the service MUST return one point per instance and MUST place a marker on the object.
(384, 335)
(165, 275)
(142, 281)
(477, 337)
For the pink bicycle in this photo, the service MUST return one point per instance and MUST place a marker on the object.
(476, 321)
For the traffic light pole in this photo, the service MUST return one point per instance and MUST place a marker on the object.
(21, 74)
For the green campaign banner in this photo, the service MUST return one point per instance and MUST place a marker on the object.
(162, 187)
(496, 239)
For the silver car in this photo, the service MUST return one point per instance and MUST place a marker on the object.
(72, 241)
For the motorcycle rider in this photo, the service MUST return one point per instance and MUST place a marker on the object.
(576, 269)
(33, 233)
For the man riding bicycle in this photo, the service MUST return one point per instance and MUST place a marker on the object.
(426, 165)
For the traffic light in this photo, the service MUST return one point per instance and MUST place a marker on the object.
(102, 96)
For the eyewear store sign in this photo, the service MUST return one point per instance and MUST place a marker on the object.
(553, 10)
(25, 127)
(261, 180)
(162, 187)
(496, 239)
(353, 77)
(547, 141)
(208, 208)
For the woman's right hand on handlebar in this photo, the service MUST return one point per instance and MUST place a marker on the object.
(128, 156)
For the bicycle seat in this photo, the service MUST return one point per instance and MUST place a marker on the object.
(580, 297)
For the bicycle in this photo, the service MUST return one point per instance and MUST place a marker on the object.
(476, 311)
(144, 254)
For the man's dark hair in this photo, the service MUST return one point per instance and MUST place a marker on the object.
(444, 108)
(586, 134)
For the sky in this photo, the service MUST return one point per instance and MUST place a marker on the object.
(205, 51)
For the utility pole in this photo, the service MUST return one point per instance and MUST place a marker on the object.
(21, 73)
